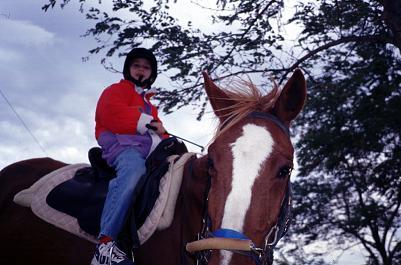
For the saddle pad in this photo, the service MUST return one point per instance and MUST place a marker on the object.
(35, 197)
(159, 218)
(162, 213)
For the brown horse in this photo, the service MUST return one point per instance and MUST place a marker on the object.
(239, 189)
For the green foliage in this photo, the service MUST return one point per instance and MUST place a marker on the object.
(349, 186)
(183, 51)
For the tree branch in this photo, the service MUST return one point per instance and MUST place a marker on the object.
(365, 243)
(228, 55)
(197, 84)
(390, 221)
(369, 38)
(396, 249)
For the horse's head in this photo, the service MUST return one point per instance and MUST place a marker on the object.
(251, 160)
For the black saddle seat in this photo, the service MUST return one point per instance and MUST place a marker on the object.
(83, 195)
(103, 170)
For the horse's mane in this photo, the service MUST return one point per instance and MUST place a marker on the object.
(246, 98)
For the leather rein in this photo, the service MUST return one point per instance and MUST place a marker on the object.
(235, 241)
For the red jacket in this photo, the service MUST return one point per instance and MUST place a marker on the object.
(120, 108)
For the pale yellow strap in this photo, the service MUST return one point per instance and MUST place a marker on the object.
(219, 243)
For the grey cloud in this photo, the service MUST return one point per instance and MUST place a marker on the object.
(54, 92)
(24, 33)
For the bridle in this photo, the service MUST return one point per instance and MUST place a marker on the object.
(262, 255)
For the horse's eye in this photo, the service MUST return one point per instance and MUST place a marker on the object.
(285, 172)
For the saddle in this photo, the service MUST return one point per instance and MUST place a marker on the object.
(83, 195)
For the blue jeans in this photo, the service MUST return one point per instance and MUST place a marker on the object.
(130, 166)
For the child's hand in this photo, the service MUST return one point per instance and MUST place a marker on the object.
(158, 127)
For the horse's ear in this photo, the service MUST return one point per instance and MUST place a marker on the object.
(292, 98)
(218, 98)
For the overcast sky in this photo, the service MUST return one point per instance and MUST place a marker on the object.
(55, 93)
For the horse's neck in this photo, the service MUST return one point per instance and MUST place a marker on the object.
(193, 190)
(187, 218)
(195, 180)
(197, 170)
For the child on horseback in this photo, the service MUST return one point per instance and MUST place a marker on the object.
(123, 115)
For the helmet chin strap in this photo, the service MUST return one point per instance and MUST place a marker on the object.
(142, 83)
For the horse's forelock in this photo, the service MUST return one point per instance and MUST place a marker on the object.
(246, 98)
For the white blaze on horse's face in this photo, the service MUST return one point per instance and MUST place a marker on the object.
(249, 152)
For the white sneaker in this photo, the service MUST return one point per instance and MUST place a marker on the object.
(109, 254)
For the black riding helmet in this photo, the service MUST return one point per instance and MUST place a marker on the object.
(140, 53)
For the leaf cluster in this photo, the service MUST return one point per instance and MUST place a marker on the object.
(240, 41)
(349, 186)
